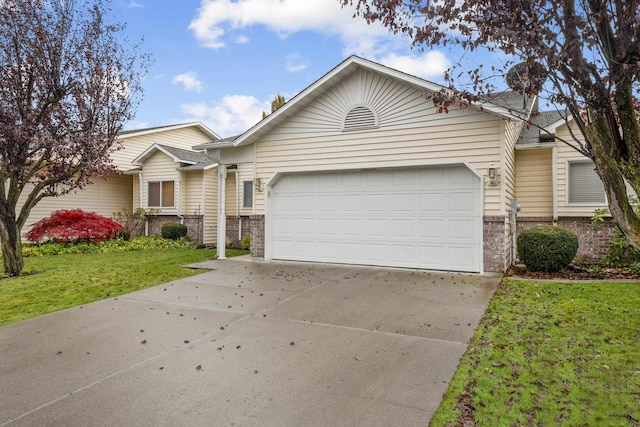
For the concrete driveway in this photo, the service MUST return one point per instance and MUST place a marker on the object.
(249, 344)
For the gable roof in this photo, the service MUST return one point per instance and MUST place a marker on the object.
(542, 128)
(157, 129)
(329, 80)
(194, 160)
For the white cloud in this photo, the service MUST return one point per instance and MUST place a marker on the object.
(284, 17)
(295, 62)
(231, 115)
(189, 80)
(134, 4)
(428, 65)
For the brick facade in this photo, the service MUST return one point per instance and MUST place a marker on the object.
(234, 223)
(257, 235)
(496, 245)
(592, 244)
(193, 223)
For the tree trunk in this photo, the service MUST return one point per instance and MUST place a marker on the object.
(611, 171)
(11, 246)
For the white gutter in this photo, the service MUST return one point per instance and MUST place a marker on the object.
(222, 215)
(554, 180)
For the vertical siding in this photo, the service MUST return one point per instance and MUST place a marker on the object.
(534, 182)
(192, 193)
(564, 155)
(160, 167)
(136, 192)
(134, 146)
(231, 194)
(104, 197)
(210, 206)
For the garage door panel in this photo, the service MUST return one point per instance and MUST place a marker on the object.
(416, 217)
(433, 202)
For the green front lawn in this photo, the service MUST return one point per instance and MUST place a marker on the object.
(551, 354)
(63, 281)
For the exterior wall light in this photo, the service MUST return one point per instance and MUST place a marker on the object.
(493, 175)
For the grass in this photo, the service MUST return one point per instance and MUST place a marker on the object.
(551, 354)
(63, 281)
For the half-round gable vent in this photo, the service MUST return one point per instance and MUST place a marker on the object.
(359, 118)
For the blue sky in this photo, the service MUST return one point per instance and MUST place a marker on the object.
(222, 61)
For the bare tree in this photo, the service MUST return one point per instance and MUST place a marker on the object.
(588, 49)
(69, 80)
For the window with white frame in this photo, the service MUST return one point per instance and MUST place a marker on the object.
(247, 194)
(160, 194)
(584, 184)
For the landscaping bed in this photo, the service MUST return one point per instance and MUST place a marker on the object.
(574, 273)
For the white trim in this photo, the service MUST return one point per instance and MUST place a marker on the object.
(554, 182)
(148, 131)
(221, 244)
(568, 186)
(336, 75)
(146, 153)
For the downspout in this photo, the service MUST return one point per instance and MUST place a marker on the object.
(238, 205)
(222, 215)
(554, 180)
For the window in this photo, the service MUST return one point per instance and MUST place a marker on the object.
(160, 194)
(247, 194)
(585, 186)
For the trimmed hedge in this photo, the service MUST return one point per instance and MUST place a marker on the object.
(173, 231)
(547, 248)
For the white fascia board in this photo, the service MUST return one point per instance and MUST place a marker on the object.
(140, 159)
(148, 131)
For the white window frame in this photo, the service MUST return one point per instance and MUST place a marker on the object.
(172, 183)
(569, 195)
(245, 194)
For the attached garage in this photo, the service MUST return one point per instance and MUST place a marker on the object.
(419, 217)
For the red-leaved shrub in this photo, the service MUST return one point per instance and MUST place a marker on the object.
(73, 225)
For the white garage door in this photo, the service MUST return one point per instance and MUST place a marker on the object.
(428, 218)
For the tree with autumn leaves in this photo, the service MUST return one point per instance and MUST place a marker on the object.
(581, 56)
(69, 81)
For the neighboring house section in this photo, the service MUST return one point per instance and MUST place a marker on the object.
(558, 185)
(181, 183)
(360, 168)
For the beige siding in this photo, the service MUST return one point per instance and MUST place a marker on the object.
(210, 206)
(397, 105)
(104, 197)
(136, 192)
(231, 190)
(245, 173)
(132, 147)
(534, 182)
(160, 167)
(191, 193)
(477, 143)
(508, 172)
(566, 154)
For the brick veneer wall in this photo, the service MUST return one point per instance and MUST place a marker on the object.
(193, 223)
(256, 224)
(495, 247)
(592, 244)
(233, 225)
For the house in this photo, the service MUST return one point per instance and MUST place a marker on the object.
(155, 169)
(359, 168)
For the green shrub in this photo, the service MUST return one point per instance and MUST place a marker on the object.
(173, 231)
(246, 243)
(124, 235)
(620, 253)
(140, 243)
(547, 248)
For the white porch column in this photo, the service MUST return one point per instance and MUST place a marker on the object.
(222, 215)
